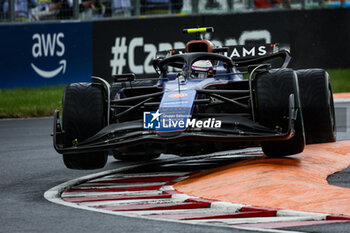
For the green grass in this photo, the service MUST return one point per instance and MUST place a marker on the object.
(38, 102)
(340, 80)
(30, 102)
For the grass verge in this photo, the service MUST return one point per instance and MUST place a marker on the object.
(39, 102)
(340, 80)
(30, 102)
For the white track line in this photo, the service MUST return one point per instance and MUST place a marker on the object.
(176, 198)
(265, 230)
(54, 195)
(221, 205)
(255, 220)
(180, 211)
(130, 202)
(294, 213)
(116, 185)
(100, 194)
(156, 174)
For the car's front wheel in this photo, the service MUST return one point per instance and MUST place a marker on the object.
(273, 89)
(83, 115)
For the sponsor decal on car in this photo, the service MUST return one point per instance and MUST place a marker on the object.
(177, 95)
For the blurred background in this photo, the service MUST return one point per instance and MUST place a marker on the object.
(47, 44)
(43, 10)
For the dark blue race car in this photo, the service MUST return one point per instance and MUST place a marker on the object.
(202, 101)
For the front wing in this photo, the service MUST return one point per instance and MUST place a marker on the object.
(132, 133)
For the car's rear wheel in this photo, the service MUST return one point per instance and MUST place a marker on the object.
(317, 105)
(83, 115)
(272, 90)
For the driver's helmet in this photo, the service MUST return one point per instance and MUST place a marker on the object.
(201, 69)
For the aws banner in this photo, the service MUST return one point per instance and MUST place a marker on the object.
(45, 54)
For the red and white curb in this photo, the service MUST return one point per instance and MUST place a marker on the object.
(152, 196)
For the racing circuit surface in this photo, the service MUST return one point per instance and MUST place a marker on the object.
(30, 167)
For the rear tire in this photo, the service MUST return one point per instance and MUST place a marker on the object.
(317, 106)
(83, 116)
(272, 89)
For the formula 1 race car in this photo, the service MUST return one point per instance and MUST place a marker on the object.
(202, 101)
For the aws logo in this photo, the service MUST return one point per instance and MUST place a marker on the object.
(45, 46)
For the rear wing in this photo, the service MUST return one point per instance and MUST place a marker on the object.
(243, 52)
(236, 52)
(245, 55)
(279, 59)
(166, 53)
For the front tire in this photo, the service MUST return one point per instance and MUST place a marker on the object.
(272, 89)
(83, 115)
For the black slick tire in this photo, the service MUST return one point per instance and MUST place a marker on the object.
(317, 106)
(272, 91)
(83, 115)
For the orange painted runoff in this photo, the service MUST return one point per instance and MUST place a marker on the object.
(298, 182)
(341, 95)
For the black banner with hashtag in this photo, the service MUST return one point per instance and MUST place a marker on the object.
(129, 45)
(125, 46)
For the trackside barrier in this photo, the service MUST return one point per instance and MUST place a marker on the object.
(124, 46)
(60, 53)
(35, 55)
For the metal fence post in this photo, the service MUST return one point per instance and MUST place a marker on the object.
(75, 9)
(136, 4)
(343, 3)
(12, 10)
(138, 7)
(251, 4)
(230, 4)
(287, 4)
(194, 6)
(321, 3)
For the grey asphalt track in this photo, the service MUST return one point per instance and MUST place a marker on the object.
(30, 166)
